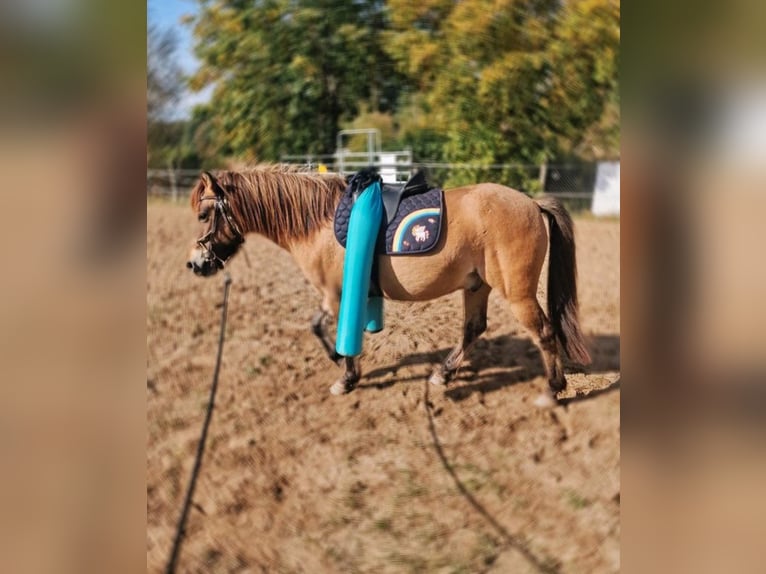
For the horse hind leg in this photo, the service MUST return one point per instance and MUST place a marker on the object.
(474, 324)
(529, 313)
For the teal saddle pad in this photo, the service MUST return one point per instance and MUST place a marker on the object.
(414, 229)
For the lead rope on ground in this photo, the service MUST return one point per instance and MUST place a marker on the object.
(181, 528)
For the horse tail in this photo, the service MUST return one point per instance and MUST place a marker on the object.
(562, 280)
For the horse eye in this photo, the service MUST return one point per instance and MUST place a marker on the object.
(202, 216)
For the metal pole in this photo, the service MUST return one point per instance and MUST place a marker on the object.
(543, 172)
(172, 177)
(370, 148)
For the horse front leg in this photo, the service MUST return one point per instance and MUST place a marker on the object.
(319, 328)
(475, 323)
(349, 379)
(347, 382)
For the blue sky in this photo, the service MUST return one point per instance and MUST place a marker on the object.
(167, 14)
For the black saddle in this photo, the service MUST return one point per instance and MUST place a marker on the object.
(393, 193)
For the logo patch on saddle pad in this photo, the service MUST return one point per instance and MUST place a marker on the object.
(414, 230)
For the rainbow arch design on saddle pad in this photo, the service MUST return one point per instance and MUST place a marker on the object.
(421, 225)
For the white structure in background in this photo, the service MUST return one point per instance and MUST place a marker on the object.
(388, 167)
(393, 166)
(606, 194)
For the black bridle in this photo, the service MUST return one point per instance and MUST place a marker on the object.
(222, 208)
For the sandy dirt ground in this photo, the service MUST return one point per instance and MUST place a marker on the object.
(397, 476)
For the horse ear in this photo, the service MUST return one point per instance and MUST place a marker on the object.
(208, 179)
(211, 182)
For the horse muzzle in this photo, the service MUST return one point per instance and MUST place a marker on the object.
(203, 266)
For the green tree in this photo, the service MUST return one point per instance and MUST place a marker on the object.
(511, 81)
(584, 90)
(286, 73)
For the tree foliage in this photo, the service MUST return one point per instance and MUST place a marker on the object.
(477, 81)
(512, 81)
(288, 72)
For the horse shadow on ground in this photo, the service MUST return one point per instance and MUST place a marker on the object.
(493, 364)
(507, 539)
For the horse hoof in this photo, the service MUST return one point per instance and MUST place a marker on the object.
(545, 401)
(438, 379)
(557, 385)
(341, 387)
(557, 382)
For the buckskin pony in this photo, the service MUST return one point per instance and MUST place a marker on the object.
(493, 238)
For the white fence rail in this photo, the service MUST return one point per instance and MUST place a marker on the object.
(394, 166)
(573, 183)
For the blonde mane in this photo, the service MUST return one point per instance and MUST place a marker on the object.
(281, 202)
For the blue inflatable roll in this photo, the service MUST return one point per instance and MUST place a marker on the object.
(374, 315)
(354, 315)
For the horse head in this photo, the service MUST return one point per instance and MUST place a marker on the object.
(221, 235)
